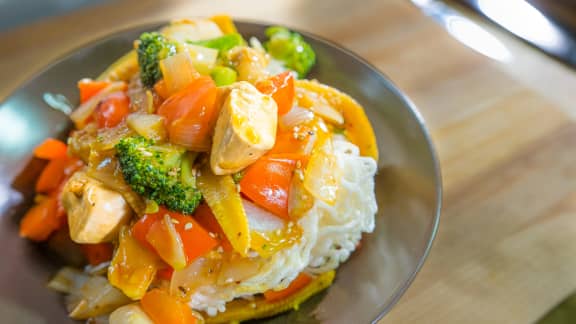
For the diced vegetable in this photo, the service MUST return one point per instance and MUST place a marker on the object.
(299, 199)
(250, 63)
(51, 176)
(281, 88)
(269, 233)
(296, 116)
(185, 30)
(322, 176)
(163, 308)
(267, 183)
(357, 126)
(245, 130)
(97, 297)
(224, 200)
(152, 48)
(112, 110)
(196, 241)
(41, 220)
(51, 149)
(130, 314)
(320, 105)
(68, 280)
(122, 69)
(154, 171)
(81, 115)
(191, 114)
(290, 48)
(88, 88)
(178, 71)
(97, 253)
(295, 286)
(166, 242)
(203, 58)
(225, 23)
(133, 267)
(241, 310)
(223, 43)
(150, 126)
(204, 216)
(223, 76)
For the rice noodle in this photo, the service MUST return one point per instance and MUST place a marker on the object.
(329, 235)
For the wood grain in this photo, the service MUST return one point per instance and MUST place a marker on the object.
(505, 133)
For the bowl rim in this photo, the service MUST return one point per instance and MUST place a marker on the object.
(404, 99)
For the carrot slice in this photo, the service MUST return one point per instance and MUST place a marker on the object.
(163, 308)
(88, 88)
(50, 149)
(40, 221)
(296, 285)
(51, 176)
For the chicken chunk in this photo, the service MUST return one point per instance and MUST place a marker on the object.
(250, 63)
(245, 130)
(95, 213)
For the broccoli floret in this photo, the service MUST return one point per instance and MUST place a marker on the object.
(290, 48)
(155, 172)
(152, 48)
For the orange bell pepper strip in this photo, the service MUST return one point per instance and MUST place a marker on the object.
(267, 182)
(88, 88)
(97, 253)
(40, 221)
(296, 285)
(164, 308)
(281, 88)
(51, 149)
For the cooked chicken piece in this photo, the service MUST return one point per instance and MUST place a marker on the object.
(249, 63)
(95, 213)
(245, 130)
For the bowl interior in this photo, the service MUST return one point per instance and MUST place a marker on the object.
(366, 287)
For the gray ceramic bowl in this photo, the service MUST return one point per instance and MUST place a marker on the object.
(408, 187)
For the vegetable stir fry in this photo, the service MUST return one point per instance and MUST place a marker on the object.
(206, 180)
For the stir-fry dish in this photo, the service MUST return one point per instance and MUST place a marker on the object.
(206, 180)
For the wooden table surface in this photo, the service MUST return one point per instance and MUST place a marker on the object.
(505, 132)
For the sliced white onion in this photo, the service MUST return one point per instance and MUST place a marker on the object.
(68, 280)
(191, 30)
(203, 58)
(328, 113)
(322, 175)
(261, 220)
(96, 297)
(130, 314)
(178, 71)
(148, 125)
(83, 112)
(296, 116)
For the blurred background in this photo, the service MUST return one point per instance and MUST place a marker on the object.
(549, 25)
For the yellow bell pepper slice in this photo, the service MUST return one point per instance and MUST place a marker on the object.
(133, 267)
(242, 310)
(122, 69)
(356, 124)
(225, 23)
(225, 202)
